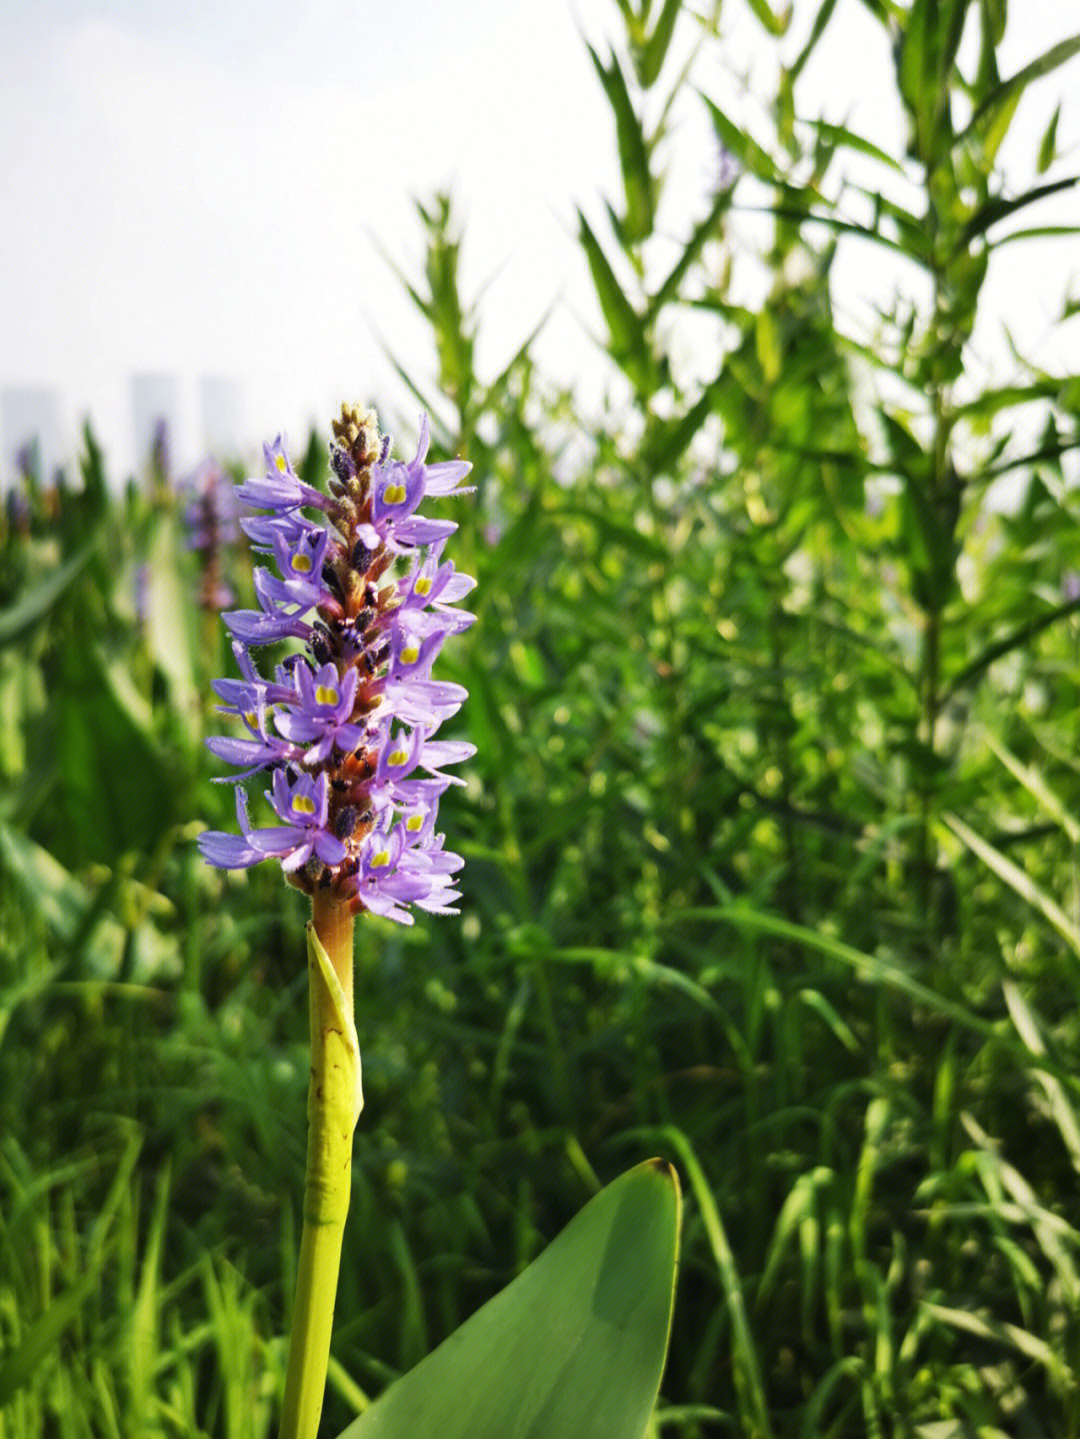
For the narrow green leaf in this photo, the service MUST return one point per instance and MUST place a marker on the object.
(928, 49)
(816, 1001)
(1000, 208)
(1009, 1335)
(623, 323)
(141, 1350)
(26, 612)
(1016, 639)
(774, 23)
(120, 790)
(428, 403)
(1048, 61)
(800, 1204)
(994, 399)
(1049, 232)
(821, 19)
(915, 72)
(43, 1335)
(40, 1339)
(172, 629)
(767, 345)
(743, 146)
(870, 967)
(912, 247)
(574, 1346)
(752, 1405)
(843, 138)
(666, 444)
(1029, 1029)
(633, 152)
(1017, 880)
(1037, 787)
(993, 17)
(654, 52)
(1056, 1237)
(12, 995)
(1048, 145)
(53, 893)
(703, 231)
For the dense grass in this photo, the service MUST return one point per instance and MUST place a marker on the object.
(771, 838)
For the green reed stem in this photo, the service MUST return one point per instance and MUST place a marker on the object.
(334, 1103)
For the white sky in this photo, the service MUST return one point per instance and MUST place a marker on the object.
(197, 189)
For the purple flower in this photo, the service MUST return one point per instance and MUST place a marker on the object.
(211, 517)
(242, 696)
(430, 583)
(441, 479)
(281, 488)
(261, 750)
(302, 805)
(231, 851)
(440, 752)
(262, 529)
(275, 622)
(380, 885)
(211, 513)
(398, 489)
(345, 727)
(322, 719)
(300, 560)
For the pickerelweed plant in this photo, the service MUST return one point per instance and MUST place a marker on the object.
(212, 519)
(345, 731)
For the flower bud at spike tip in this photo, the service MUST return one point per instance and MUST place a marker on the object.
(345, 730)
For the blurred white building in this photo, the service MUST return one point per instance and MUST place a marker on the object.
(30, 422)
(221, 402)
(156, 412)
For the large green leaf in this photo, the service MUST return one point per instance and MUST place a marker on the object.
(574, 1346)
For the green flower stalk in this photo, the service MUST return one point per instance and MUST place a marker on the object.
(335, 1099)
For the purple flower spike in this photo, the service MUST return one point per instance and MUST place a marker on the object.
(345, 726)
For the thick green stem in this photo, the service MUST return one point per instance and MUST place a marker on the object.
(334, 1103)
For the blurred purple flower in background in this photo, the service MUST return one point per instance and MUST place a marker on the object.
(212, 518)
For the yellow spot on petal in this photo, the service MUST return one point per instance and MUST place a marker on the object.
(380, 859)
(423, 586)
(393, 494)
(252, 718)
(414, 822)
(326, 695)
(281, 462)
(410, 655)
(399, 756)
(303, 804)
(302, 563)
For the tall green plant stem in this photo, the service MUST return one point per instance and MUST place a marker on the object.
(334, 1103)
(945, 504)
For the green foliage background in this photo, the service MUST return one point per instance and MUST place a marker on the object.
(772, 832)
